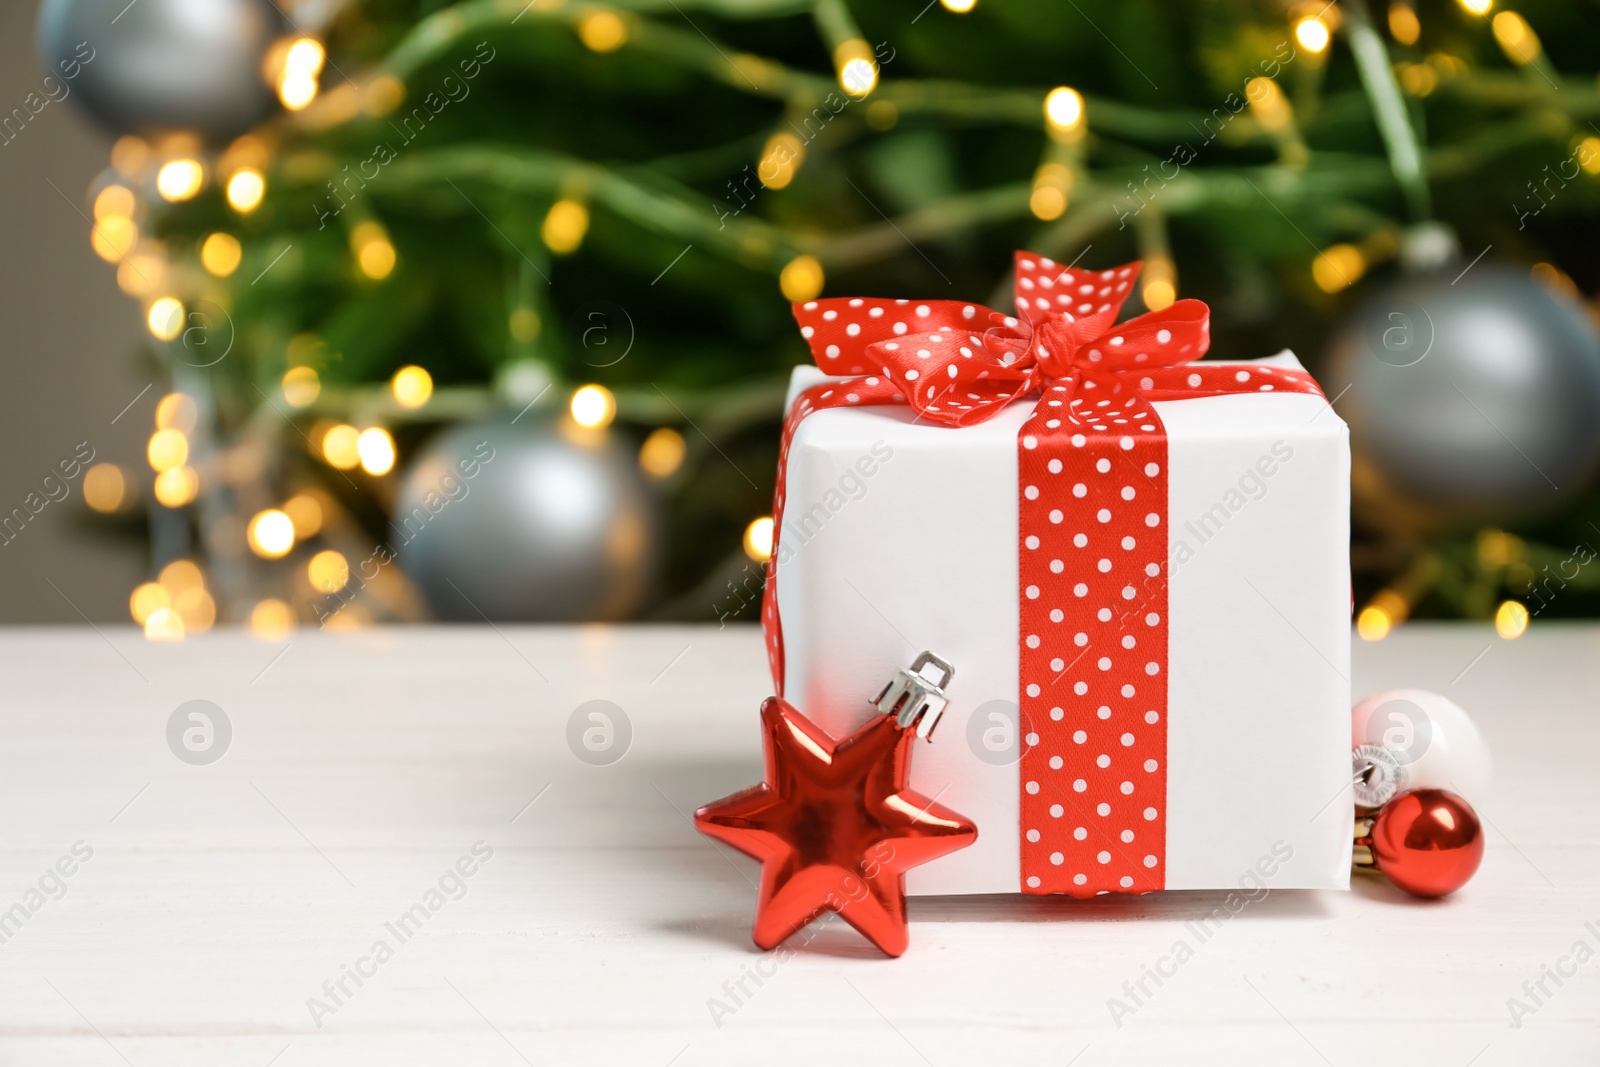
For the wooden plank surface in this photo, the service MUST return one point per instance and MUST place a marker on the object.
(595, 926)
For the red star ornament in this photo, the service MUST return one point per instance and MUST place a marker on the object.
(835, 827)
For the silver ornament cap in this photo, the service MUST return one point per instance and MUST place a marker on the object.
(915, 697)
(1376, 776)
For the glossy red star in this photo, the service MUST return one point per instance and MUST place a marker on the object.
(835, 827)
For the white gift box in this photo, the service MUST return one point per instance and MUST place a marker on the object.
(901, 536)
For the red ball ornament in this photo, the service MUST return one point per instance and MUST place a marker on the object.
(835, 825)
(1428, 842)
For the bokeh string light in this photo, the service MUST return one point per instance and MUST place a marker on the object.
(375, 447)
(271, 534)
(412, 387)
(297, 85)
(179, 179)
(593, 407)
(194, 231)
(246, 188)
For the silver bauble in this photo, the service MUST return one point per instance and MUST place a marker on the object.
(164, 65)
(539, 520)
(1471, 400)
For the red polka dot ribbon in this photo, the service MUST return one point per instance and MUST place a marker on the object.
(1092, 508)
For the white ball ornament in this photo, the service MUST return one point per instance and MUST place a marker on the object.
(1434, 744)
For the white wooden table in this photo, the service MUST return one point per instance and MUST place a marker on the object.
(218, 899)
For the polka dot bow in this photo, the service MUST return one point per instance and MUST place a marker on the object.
(958, 363)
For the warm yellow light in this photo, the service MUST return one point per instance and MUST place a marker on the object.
(374, 254)
(1403, 24)
(960, 7)
(411, 386)
(246, 150)
(164, 624)
(220, 254)
(602, 31)
(758, 539)
(1511, 620)
(367, 232)
(1373, 624)
(1338, 267)
(1477, 7)
(1312, 34)
(376, 449)
(104, 487)
(565, 226)
(129, 155)
(114, 200)
(141, 275)
(1386, 610)
(1449, 66)
(196, 609)
(245, 189)
(1516, 37)
(384, 95)
(271, 534)
(780, 159)
(297, 89)
(1418, 79)
(858, 77)
(176, 411)
(114, 237)
(167, 449)
(1159, 293)
(1496, 548)
(801, 279)
(179, 179)
(1268, 103)
(181, 574)
(165, 318)
(1047, 202)
(328, 571)
(341, 447)
(593, 407)
(662, 453)
(1063, 110)
(272, 620)
(176, 487)
(1589, 155)
(858, 74)
(305, 56)
(147, 599)
(297, 84)
(1159, 282)
(305, 513)
(1051, 184)
(301, 386)
(377, 259)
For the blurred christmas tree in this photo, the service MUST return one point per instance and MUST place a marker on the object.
(468, 211)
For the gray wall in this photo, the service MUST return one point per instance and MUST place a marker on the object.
(69, 362)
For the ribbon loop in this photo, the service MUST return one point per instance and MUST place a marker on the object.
(958, 363)
(840, 330)
(953, 377)
(1176, 334)
(1087, 299)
